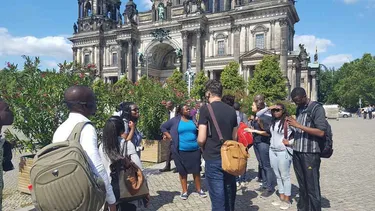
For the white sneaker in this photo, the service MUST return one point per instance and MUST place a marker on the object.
(285, 205)
(276, 203)
(238, 184)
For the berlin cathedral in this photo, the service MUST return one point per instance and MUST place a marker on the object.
(194, 35)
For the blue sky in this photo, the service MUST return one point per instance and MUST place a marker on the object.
(341, 29)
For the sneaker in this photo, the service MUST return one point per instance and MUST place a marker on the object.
(184, 196)
(202, 194)
(285, 205)
(261, 189)
(203, 175)
(267, 193)
(238, 185)
(276, 203)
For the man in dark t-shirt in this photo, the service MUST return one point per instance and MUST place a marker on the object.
(221, 185)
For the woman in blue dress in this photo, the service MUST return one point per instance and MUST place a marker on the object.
(185, 150)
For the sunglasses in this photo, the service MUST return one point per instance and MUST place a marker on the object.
(276, 110)
(135, 110)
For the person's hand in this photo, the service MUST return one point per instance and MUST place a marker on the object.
(167, 137)
(292, 122)
(272, 107)
(112, 207)
(131, 125)
(286, 142)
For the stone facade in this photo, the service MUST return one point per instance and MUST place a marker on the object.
(196, 34)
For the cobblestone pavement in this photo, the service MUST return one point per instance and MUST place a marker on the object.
(347, 178)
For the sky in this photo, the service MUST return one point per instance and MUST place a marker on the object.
(342, 30)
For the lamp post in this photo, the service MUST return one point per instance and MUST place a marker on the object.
(189, 75)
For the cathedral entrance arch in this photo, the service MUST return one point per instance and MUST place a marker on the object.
(161, 59)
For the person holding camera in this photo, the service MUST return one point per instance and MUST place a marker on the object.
(129, 112)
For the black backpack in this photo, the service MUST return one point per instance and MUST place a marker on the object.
(326, 142)
(7, 156)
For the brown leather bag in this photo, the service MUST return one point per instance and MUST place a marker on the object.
(128, 181)
(233, 154)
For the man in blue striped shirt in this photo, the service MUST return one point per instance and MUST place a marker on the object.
(310, 127)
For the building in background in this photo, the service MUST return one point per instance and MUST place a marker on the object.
(203, 35)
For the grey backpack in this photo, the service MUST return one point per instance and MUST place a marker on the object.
(62, 178)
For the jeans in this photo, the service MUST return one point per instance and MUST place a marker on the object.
(306, 167)
(221, 186)
(241, 178)
(260, 169)
(263, 150)
(280, 163)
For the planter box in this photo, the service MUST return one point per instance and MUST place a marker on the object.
(155, 151)
(26, 162)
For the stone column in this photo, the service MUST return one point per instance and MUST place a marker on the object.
(284, 46)
(212, 43)
(198, 51)
(247, 38)
(185, 50)
(314, 88)
(272, 33)
(211, 74)
(236, 47)
(130, 61)
(119, 59)
(74, 54)
(213, 6)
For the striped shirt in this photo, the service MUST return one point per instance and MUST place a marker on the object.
(304, 142)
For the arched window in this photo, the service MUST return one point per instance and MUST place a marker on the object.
(260, 33)
(88, 9)
(221, 42)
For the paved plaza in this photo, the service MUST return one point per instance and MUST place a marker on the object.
(347, 179)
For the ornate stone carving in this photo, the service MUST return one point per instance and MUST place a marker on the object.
(259, 28)
(198, 32)
(304, 57)
(161, 11)
(131, 11)
(272, 22)
(236, 28)
(186, 5)
(160, 34)
(185, 34)
(283, 22)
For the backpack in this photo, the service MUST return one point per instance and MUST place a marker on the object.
(7, 156)
(326, 142)
(62, 178)
(244, 137)
(233, 154)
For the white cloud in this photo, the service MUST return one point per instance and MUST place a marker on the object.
(311, 42)
(350, 1)
(49, 64)
(337, 60)
(147, 4)
(52, 46)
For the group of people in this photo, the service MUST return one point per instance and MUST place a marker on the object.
(367, 111)
(279, 140)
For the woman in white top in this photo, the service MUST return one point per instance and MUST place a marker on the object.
(281, 154)
(111, 148)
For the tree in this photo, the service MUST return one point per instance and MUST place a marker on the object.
(232, 81)
(268, 80)
(176, 81)
(199, 85)
(325, 84)
(355, 80)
